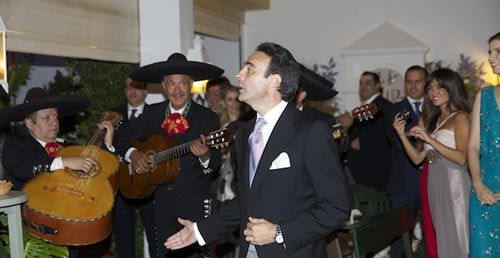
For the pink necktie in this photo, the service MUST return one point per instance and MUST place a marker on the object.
(256, 142)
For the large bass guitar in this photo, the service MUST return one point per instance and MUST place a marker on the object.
(165, 154)
(70, 207)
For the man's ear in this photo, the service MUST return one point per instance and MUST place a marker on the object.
(301, 96)
(274, 81)
(29, 123)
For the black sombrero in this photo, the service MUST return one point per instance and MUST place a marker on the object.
(38, 98)
(176, 63)
(316, 86)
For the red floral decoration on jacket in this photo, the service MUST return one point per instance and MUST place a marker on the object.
(175, 124)
(52, 148)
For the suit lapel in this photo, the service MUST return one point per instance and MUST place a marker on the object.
(245, 153)
(278, 140)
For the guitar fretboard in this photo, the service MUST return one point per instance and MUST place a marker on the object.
(172, 153)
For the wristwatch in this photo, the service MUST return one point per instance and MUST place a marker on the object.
(278, 237)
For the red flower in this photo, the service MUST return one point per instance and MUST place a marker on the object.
(52, 148)
(175, 124)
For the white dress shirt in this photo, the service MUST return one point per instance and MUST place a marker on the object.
(139, 109)
(412, 101)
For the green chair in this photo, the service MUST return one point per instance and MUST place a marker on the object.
(370, 202)
(373, 233)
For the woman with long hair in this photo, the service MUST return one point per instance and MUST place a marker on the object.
(483, 155)
(444, 130)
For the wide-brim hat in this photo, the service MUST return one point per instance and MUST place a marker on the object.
(316, 86)
(37, 99)
(176, 63)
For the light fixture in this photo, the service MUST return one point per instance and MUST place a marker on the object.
(198, 53)
(3, 58)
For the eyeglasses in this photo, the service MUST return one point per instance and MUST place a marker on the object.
(181, 84)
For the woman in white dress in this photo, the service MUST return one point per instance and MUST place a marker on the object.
(444, 130)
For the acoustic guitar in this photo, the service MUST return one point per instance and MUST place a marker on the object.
(166, 159)
(361, 113)
(70, 207)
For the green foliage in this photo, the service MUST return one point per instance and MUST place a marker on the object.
(101, 82)
(434, 65)
(470, 71)
(17, 75)
(33, 247)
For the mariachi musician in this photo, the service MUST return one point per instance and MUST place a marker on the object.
(313, 86)
(186, 195)
(34, 150)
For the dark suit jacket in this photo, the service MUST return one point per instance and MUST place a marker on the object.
(404, 176)
(308, 199)
(370, 165)
(316, 115)
(23, 157)
(183, 198)
(122, 109)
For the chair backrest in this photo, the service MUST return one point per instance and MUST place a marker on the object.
(371, 202)
(372, 233)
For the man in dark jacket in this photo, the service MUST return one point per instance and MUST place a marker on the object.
(292, 191)
(184, 121)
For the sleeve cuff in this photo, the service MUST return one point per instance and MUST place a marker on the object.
(198, 236)
(56, 164)
(111, 148)
(127, 154)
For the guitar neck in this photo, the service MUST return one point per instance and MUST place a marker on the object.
(172, 153)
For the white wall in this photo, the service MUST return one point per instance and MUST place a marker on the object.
(225, 54)
(315, 30)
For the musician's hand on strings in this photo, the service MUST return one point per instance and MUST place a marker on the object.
(200, 150)
(110, 131)
(141, 162)
(183, 238)
(79, 163)
(346, 120)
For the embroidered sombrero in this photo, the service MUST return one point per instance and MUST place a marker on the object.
(176, 63)
(316, 86)
(39, 98)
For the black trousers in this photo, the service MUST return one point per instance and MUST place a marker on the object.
(124, 225)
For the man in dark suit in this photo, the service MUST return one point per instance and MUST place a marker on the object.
(124, 209)
(34, 151)
(313, 86)
(292, 190)
(369, 155)
(184, 121)
(404, 176)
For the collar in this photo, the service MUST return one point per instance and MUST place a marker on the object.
(139, 109)
(272, 117)
(415, 100)
(370, 100)
(173, 110)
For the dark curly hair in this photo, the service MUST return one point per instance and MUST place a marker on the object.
(284, 64)
(454, 85)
